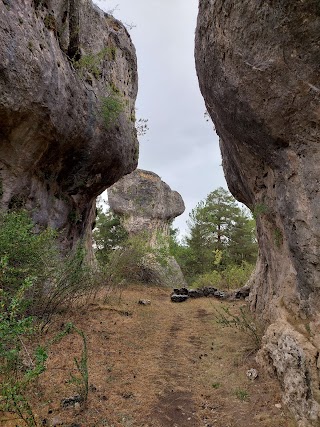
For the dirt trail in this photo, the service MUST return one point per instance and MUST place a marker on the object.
(162, 365)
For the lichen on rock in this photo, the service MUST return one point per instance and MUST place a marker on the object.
(147, 206)
(258, 69)
(59, 61)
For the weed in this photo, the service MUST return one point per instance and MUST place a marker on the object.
(91, 63)
(141, 126)
(278, 238)
(50, 22)
(24, 255)
(242, 395)
(232, 277)
(259, 209)
(111, 107)
(244, 321)
(81, 381)
(17, 375)
(75, 217)
(216, 385)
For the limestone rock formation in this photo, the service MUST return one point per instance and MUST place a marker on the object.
(68, 83)
(147, 205)
(258, 68)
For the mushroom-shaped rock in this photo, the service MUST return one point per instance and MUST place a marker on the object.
(258, 68)
(68, 83)
(147, 205)
(145, 202)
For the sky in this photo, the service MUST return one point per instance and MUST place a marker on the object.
(180, 145)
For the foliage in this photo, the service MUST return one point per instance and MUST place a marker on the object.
(34, 280)
(243, 321)
(21, 366)
(111, 107)
(142, 127)
(108, 235)
(126, 263)
(259, 209)
(232, 277)
(29, 256)
(214, 278)
(81, 381)
(24, 254)
(242, 395)
(91, 63)
(16, 374)
(221, 234)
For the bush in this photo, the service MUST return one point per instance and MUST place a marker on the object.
(111, 107)
(126, 263)
(34, 281)
(137, 262)
(232, 277)
(209, 279)
(22, 362)
(243, 321)
(236, 276)
(19, 368)
(27, 256)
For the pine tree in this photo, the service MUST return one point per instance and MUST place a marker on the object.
(219, 226)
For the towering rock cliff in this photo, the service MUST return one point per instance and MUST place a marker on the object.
(68, 83)
(258, 68)
(147, 205)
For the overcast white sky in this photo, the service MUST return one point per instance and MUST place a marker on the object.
(180, 146)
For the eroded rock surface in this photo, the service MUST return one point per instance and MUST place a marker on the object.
(147, 205)
(258, 68)
(62, 64)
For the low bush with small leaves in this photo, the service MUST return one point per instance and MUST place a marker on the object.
(244, 321)
(34, 282)
(231, 277)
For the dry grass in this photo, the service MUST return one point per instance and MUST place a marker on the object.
(163, 365)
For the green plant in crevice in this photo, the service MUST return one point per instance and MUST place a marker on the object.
(111, 107)
(259, 209)
(91, 63)
(278, 237)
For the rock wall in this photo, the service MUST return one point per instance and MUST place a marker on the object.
(63, 65)
(258, 68)
(147, 205)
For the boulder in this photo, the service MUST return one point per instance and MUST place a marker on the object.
(258, 69)
(63, 66)
(179, 298)
(196, 293)
(147, 206)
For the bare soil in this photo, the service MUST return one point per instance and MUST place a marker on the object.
(161, 365)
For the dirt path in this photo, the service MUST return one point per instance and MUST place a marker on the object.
(163, 365)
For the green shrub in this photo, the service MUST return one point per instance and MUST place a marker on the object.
(232, 277)
(126, 263)
(19, 368)
(91, 63)
(209, 279)
(236, 276)
(111, 107)
(34, 280)
(24, 255)
(243, 321)
(22, 361)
